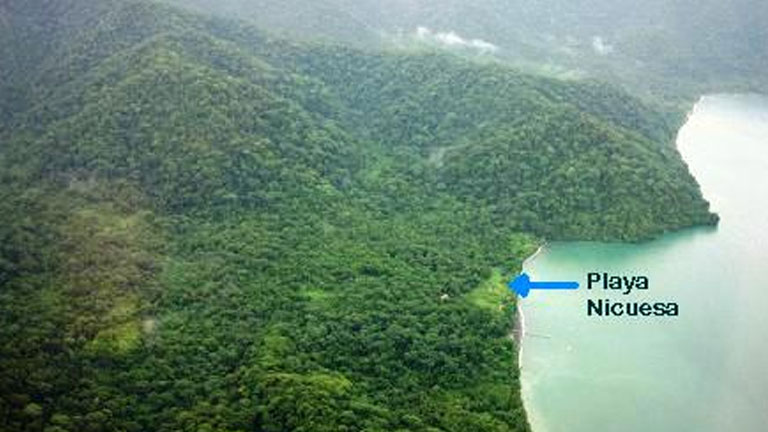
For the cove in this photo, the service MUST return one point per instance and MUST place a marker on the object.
(704, 370)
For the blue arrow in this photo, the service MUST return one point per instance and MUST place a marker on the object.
(522, 285)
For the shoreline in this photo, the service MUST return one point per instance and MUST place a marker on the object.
(518, 328)
(518, 333)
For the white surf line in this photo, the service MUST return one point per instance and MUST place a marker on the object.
(521, 329)
(521, 315)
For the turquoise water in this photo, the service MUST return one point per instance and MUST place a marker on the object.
(705, 370)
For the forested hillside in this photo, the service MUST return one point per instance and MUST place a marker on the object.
(663, 47)
(204, 227)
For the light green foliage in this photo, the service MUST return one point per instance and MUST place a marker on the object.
(491, 293)
(119, 339)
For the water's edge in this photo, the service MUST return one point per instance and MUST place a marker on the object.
(708, 369)
(519, 329)
(518, 333)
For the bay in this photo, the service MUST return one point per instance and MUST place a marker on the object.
(704, 370)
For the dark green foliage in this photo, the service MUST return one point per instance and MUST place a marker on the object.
(205, 229)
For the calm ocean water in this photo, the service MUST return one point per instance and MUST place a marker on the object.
(705, 370)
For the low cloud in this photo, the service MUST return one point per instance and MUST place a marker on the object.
(600, 47)
(452, 39)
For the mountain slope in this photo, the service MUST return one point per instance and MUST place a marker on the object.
(207, 228)
(667, 48)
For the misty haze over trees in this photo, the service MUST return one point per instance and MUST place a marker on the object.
(662, 46)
